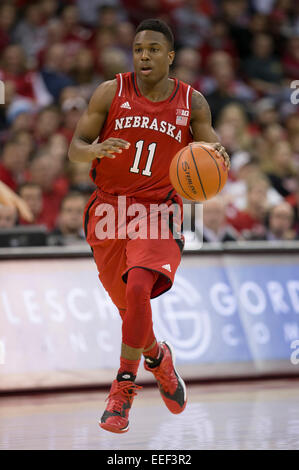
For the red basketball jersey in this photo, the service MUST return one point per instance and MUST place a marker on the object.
(156, 132)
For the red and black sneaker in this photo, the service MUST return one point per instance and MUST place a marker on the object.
(120, 399)
(171, 385)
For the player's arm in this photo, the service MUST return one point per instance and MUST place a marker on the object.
(201, 125)
(83, 147)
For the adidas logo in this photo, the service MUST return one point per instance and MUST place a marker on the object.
(167, 266)
(126, 376)
(126, 105)
(148, 360)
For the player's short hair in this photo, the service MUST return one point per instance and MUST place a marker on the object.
(159, 26)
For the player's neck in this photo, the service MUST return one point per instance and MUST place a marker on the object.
(158, 91)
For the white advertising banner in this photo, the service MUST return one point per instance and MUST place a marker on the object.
(225, 316)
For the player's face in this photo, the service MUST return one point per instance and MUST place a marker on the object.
(152, 56)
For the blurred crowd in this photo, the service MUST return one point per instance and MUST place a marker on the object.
(243, 55)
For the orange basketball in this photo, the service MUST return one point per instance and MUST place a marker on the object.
(197, 172)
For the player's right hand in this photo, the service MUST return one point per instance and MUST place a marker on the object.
(109, 147)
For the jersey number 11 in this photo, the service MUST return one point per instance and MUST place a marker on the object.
(151, 152)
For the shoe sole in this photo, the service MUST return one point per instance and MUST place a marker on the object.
(107, 427)
(180, 380)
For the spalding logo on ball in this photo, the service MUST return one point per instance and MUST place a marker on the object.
(198, 172)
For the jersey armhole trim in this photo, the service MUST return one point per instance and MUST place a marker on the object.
(120, 84)
(177, 88)
(188, 104)
(134, 84)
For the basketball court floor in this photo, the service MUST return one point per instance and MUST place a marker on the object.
(235, 415)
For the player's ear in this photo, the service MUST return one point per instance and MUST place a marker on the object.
(171, 55)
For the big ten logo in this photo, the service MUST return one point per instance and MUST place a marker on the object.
(183, 321)
(2, 352)
(295, 353)
(295, 94)
(2, 92)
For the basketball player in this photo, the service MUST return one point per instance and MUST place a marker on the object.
(140, 120)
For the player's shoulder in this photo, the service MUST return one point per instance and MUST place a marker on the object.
(196, 98)
(198, 101)
(105, 90)
(103, 96)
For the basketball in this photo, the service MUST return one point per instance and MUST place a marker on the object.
(197, 172)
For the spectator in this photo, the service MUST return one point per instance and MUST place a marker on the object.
(281, 170)
(281, 219)
(234, 114)
(8, 216)
(32, 194)
(72, 106)
(10, 199)
(79, 178)
(30, 32)
(250, 222)
(215, 228)
(243, 28)
(108, 18)
(53, 71)
(26, 141)
(76, 35)
(47, 123)
(228, 137)
(89, 10)
(235, 15)
(222, 87)
(84, 74)
(290, 59)
(187, 63)
(113, 61)
(14, 68)
(265, 113)
(124, 37)
(43, 172)
(13, 163)
(104, 39)
(7, 22)
(58, 147)
(263, 70)
(242, 58)
(9, 95)
(139, 11)
(49, 9)
(266, 141)
(55, 35)
(292, 128)
(243, 167)
(191, 25)
(69, 230)
(218, 40)
(22, 120)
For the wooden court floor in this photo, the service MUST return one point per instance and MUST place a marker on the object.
(236, 415)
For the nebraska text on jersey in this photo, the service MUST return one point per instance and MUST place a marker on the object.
(144, 122)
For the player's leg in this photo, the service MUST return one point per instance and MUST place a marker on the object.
(152, 349)
(162, 256)
(159, 357)
(110, 258)
(137, 324)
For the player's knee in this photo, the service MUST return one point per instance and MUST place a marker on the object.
(138, 292)
(139, 286)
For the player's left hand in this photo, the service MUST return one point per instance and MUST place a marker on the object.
(220, 150)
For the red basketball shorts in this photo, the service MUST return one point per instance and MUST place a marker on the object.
(125, 232)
